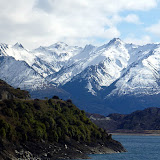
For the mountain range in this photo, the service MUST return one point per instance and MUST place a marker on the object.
(115, 77)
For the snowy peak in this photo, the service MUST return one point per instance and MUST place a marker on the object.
(59, 45)
(135, 69)
(141, 77)
(56, 56)
(59, 50)
(88, 47)
(115, 41)
(126, 64)
(114, 59)
(17, 51)
(18, 46)
(96, 74)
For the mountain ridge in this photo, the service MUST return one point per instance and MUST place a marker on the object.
(115, 69)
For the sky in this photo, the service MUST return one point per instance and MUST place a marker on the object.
(35, 23)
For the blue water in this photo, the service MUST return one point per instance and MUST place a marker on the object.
(138, 147)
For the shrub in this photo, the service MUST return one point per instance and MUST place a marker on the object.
(69, 100)
(55, 97)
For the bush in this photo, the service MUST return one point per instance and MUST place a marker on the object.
(55, 97)
(69, 100)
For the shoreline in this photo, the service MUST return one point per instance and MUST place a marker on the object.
(136, 133)
(55, 151)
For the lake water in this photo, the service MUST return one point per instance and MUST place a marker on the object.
(138, 147)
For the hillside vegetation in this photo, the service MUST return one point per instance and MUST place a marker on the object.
(47, 129)
(50, 120)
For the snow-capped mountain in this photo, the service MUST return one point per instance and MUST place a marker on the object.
(105, 66)
(125, 80)
(135, 68)
(115, 69)
(54, 57)
(112, 55)
(20, 74)
(43, 61)
(142, 77)
(18, 52)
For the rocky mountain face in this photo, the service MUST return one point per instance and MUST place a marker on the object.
(115, 77)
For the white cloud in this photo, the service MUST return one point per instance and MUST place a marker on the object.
(155, 29)
(137, 4)
(139, 41)
(132, 18)
(43, 22)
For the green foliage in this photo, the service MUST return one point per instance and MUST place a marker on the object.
(3, 132)
(52, 120)
(39, 130)
(6, 130)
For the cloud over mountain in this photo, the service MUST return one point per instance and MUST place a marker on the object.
(34, 22)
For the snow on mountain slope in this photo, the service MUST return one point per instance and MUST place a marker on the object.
(21, 54)
(74, 66)
(56, 55)
(135, 69)
(114, 55)
(138, 52)
(44, 60)
(100, 75)
(20, 74)
(115, 77)
(18, 52)
(97, 66)
(142, 78)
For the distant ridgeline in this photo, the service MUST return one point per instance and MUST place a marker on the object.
(8, 92)
(141, 120)
(52, 120)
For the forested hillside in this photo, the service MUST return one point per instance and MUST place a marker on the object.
(50, 128)
(51, 120)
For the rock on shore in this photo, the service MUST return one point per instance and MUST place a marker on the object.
(54, 151)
